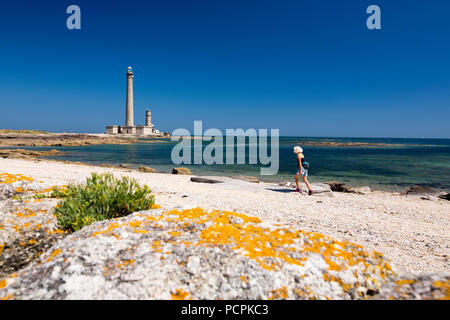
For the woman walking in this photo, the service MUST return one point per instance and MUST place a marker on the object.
(302, 170)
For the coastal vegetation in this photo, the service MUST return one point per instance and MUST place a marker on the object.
(101, 197)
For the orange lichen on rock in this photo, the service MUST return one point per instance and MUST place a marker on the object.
(54, 254)
(270, 247)
(108, 231)
(7, 297)
(11, 178)
(27, 213)
(179, 295)
(404, 281)
(281, 293)
(124, 264)
(445, 287)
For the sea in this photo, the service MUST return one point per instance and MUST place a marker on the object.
(389, 164)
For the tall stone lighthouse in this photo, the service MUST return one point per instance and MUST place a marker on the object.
(129, 127)
(129, 120)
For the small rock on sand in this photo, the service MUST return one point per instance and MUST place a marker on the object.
(422, 191)
(361, 190)
(181, 170)
(205, 180)
(146, 169)
(445, 196)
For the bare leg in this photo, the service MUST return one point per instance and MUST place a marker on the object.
(305, 180)
(296, 181)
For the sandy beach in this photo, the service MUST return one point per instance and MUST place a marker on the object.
(413, 233)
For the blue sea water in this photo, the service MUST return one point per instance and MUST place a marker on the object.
(405, 163)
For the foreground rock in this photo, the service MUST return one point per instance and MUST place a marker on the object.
(423, 287)
(181, 170)
(27, 225)
(183, 254)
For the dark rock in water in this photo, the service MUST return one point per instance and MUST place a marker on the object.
(181, 170)
(146, 169)
(246, 178)
(422, 190)
(205, 180)
(423, 287)
(445, 196)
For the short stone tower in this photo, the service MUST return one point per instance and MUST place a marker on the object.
(148, 118)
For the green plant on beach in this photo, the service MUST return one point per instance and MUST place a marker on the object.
(101, 197)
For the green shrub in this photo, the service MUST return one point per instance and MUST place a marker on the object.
(101, 197)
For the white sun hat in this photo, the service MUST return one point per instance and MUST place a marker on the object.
(298, 149)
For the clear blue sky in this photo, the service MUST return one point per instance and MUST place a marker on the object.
(309, 68)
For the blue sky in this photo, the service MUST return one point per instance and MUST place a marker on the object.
(309, 68)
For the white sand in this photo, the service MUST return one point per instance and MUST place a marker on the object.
(413, 233)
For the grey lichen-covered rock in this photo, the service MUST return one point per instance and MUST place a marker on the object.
(198, 254)
(423, 287)
(27, 225)
(181, 170)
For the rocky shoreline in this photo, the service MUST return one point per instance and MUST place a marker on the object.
(60, 139)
